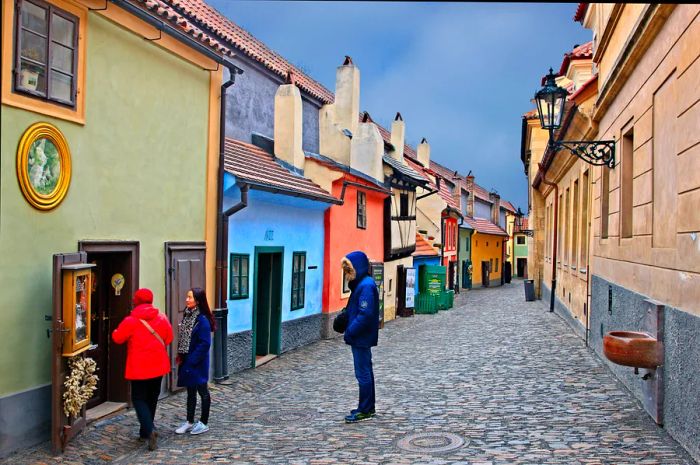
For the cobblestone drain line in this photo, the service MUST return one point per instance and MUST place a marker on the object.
(505, 375)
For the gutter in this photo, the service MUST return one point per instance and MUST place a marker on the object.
(221, 308)
(555, 228)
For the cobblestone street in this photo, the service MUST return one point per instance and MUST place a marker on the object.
(496, 380)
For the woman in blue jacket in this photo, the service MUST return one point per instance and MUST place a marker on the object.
(362, 331)
(194, 340)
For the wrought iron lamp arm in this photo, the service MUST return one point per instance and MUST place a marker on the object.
(598, 153)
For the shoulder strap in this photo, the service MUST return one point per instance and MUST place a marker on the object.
(149, 328)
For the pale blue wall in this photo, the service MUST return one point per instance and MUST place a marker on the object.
(502, 219)
(482, 209)
(418, 261)
(297, 225)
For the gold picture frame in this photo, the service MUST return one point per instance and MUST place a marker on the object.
(43, 166)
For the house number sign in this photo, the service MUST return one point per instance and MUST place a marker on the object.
(270, 235)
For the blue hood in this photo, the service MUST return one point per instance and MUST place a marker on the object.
(360, 262)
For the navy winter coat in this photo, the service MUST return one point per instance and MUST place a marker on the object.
(194, 369)
(363, 306)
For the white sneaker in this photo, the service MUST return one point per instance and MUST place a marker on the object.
(185, 427)
(199, 428)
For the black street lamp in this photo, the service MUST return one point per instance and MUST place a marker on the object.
(550, 105)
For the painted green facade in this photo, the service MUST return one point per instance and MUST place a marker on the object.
(465, 253)
(138, 174)
(519, 251)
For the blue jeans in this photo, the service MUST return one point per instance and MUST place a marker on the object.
(362, 358)
(144, 396)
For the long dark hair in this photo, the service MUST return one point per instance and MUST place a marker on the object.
(200, 297)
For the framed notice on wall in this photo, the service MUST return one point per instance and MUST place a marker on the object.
(410, 287)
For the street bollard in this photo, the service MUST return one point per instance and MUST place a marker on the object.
(221, 345)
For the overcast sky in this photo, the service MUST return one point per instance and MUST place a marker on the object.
(461, 74)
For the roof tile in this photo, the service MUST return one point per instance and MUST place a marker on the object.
(484, 226)
(250, 163)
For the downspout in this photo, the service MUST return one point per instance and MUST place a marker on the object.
(221, 309)
(554, 238)
(588, 266)
(459, 267)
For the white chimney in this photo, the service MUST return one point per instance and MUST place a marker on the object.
(424, 153)
(288, 125)
(398, 131)
(367, 149)
(347, 95)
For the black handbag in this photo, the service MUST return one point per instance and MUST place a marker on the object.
(340, 323)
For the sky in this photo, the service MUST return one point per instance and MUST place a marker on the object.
(461, 74)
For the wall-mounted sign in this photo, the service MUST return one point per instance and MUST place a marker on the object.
(410, 287)
(43, 166)
(270, 235)
(117, 283)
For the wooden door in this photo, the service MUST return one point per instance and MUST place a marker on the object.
(267, 321)
(62, 427)
(485, 282)
(184, 269)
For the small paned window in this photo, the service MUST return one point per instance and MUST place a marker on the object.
(521, 240)
(298, 279)
(490, 264)
(238, 287)
(466, 245)
(403, 204)
(361, 210)
(46, 52)
(496, 269)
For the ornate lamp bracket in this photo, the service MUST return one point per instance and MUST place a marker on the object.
(597, 153)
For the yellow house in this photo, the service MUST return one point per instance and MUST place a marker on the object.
(488, 242)
(640, 253)
(560, 189)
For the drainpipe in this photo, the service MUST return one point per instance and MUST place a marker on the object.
(221, 309)
(459, 268)
(554, 238)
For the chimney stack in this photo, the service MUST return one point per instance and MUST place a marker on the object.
(424, 153)
(495, 207)
(367, 149)
(347, 95)
(398, 131)
(288, 124)
(470, 190)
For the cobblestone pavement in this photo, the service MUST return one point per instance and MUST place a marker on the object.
(495, 380)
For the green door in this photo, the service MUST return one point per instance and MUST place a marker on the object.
(267, 313)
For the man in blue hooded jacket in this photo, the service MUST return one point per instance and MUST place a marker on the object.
(362, 331)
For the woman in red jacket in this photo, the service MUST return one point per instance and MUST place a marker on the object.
(147, 333)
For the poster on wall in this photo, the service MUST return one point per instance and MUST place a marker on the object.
(410, 287)
(378, 275)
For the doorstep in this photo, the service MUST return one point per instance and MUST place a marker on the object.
(103, 410)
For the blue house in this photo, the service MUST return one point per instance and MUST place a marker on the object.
(276, 252)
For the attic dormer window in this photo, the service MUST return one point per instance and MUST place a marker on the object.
(437, 182)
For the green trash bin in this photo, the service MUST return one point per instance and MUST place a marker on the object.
(426, 304)
(446, 300)
(431, 279)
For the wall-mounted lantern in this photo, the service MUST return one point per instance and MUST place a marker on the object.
(550, 105)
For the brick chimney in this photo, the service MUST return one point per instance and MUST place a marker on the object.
(398, 132)
(495, 207)
(288, 125)
(424, 153)
(470, 189)
(457, 191)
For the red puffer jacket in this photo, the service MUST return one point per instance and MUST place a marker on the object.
(145, 356)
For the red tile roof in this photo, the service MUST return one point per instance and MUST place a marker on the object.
(523, 227)
(424, 248)
(581, 12)
(508, 206)
(253, 165)
(485, 226)
(168, 11)
(580, 52)
(532, 114)
(233, 35)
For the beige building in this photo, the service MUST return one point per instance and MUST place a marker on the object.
(640, 255)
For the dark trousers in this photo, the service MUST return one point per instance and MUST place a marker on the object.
(144, 396)
(362, 358)
(203, 391)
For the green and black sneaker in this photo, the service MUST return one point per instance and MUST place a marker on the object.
(355, 417)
